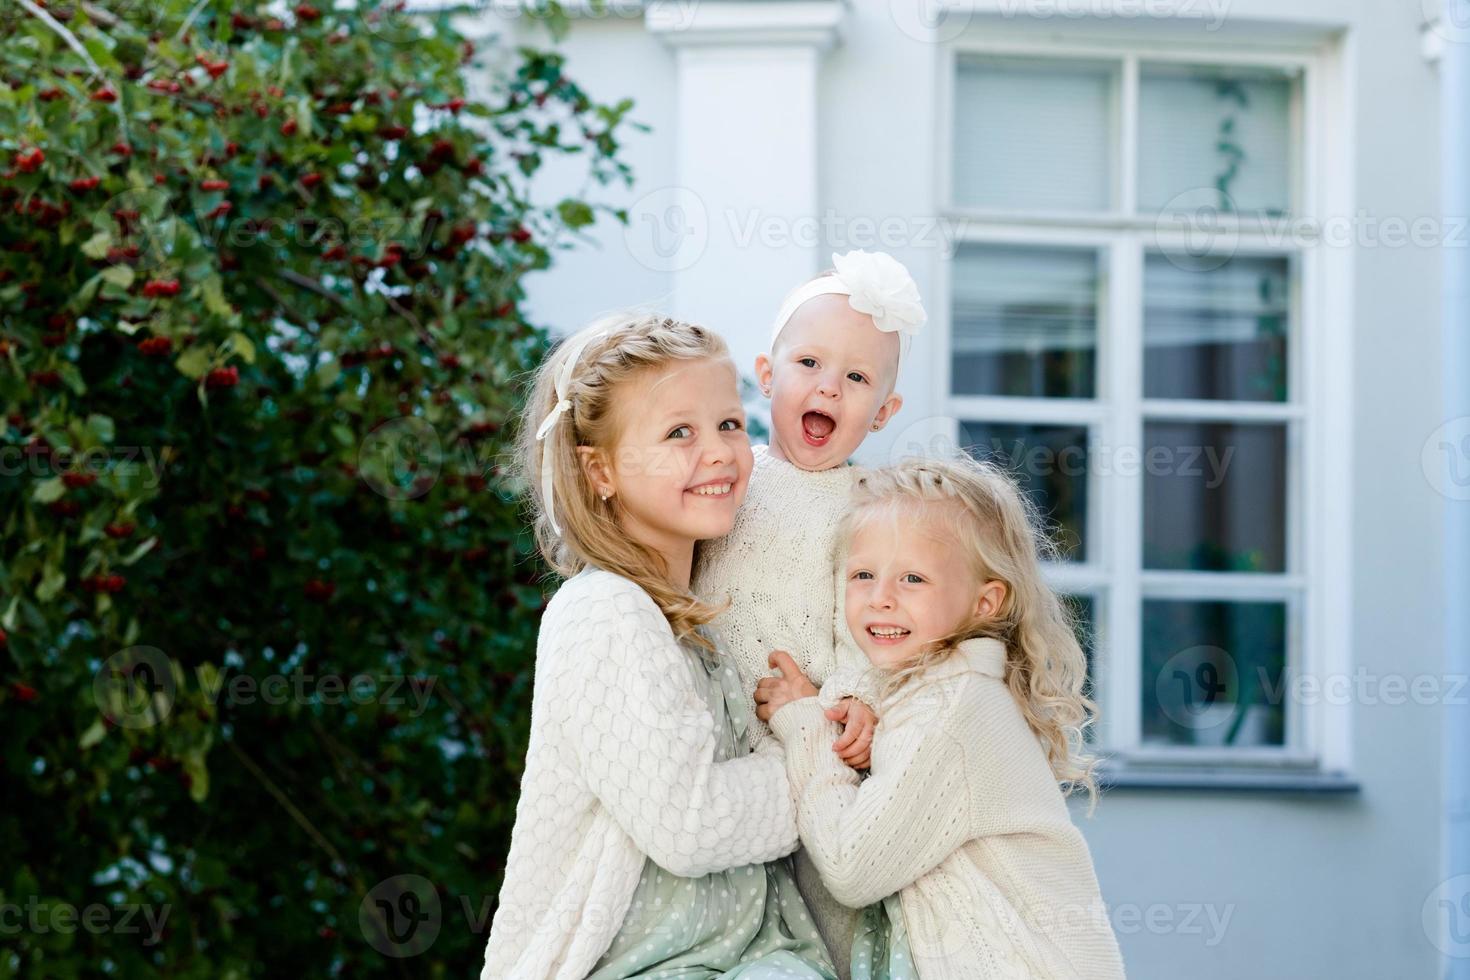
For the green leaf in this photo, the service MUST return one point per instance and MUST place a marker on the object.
(194, 362)
(95, 733)
(214, 298)
(243, 346)
(575, 214)
(73, 378)
(96, 247)
(52, 582)
(48, 490)
(101, 427)
(120, 276)
(327, 373)
(138, 552)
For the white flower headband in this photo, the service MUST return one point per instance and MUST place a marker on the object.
(875, 283)
(574, 345)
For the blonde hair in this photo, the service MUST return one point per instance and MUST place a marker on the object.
(636, 343)
(980, 506)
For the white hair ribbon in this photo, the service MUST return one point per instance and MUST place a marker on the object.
(574, 346)
(875, 283)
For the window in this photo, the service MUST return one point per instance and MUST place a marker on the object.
(1132, 330)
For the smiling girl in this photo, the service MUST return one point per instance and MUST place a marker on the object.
(647, 834)
(960, 843)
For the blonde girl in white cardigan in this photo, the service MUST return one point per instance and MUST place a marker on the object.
(959, 842)
(647, 835)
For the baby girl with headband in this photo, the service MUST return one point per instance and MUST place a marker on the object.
(836, 348)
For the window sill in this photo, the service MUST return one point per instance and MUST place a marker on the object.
(1119, 776)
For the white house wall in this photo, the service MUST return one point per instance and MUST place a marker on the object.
(1203, 884)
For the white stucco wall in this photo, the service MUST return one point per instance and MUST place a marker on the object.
(1205, 884)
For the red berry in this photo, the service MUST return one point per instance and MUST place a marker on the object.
(4, 639)
(220, 210)
(161, 287)
(115, 583)
(104, 94)
(155, 346)
(393, 132)
(119, 531)
(214, 185)
(288, 128)
(85, 184)
(225, 377)
(121, 149)
(335, 252)
(520, 235)
(311, 179)
(307, 12)
(49, 95)
(30, 162)
(75, 480)
(24, 692)
(320, 590)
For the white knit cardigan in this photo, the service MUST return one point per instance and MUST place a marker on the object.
(620, 768)
(963, 818)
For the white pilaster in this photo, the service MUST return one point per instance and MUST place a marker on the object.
(745, 208)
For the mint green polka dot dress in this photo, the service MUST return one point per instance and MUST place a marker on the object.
(746, 923)
(880, 945)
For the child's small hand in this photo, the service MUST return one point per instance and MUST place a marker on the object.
(774, 693)
(858, 721)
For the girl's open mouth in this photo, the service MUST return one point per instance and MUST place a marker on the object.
(816, 428)
(888, 634)
(711, 490)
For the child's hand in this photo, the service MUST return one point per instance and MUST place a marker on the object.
(858, 722)
(774, 693)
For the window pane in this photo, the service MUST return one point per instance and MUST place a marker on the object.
(1050, 462)
(1025, 321)
(1082, 606)
(1214, 137)
(1214, 496)
(1213, 330)
(1032, 135)
(1212, 672)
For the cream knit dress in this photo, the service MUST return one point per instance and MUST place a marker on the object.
(963, 819)
(624, 765)
(780, 568)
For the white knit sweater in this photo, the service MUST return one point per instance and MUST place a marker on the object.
(783, 571)
(779, 567)
(963, 818)
(620, 768)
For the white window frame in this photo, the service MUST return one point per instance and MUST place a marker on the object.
(1319, 505)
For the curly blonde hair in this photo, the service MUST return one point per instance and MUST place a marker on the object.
(979, 506)
(636, 343)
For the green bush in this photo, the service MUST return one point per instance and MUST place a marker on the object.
(268, 601)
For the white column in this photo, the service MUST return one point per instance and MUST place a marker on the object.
(741, 222)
